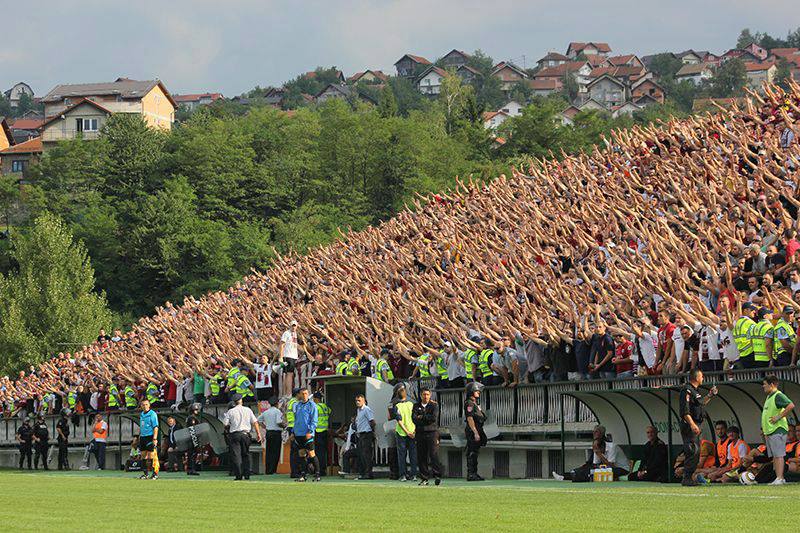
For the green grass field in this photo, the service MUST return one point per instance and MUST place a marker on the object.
(112, 501)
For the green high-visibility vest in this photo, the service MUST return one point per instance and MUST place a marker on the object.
(341, 368)
(323, 412)
(484, 362)
(422, 364)
(72, 399)
(232, 375)
(380, 366)
(151, 393)
(770, 410)
(353, 368)
(742, 331)
(113, 396)
(290, 413)
(760, 333)
(243, 386)
(441, 368)
(779, 349)
(130, 397)
(213, 384)
(469, 353)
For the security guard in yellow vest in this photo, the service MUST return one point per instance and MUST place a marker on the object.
(742, 335)
(294, 457)
(215, 386)
(341, 366)
(423, 370)
(114, 400)
(321, 437)
(470, 362)
(353, 368)
(244, 386)
(383, 371)
(151, 393)
(233, 375)
(785, 338)
(485, 363)
(441, 370)
(131, 401)
(72, 400)
(762, 338)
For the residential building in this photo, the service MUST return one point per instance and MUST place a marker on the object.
(792, 55)
(758, 52)
(368, 76)
(592, 105)
(579, 70)
(430, 81)
(645, 100)
(738, 53)
(313, 74)
(17, 159)
(544, 87)
(468, 74)
(690, 57)
(628, 108)
(342, 92)
(149, 98)
(193, 101)
(274, 96)
(15, 93)
(760, 73)
(454, 59)
(626, 73)
(493, 119)
(648, 59)
(6, 137)
(647, 87)
(694, 72)
(83, 119)
(608, 91)
(508, 74)
(552, 59)
(409, 66)
(575, 49)
(568, 115)
(627, 60)
(26, 128)
(512, 108)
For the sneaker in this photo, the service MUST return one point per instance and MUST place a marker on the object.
(779, 481)
(143, 476)
(154, 476)
(702, 480)
(424, 482)
(301, 479)
(437, 482)
(316, 478)
(403, 479)
(558, 477)
(474, 478)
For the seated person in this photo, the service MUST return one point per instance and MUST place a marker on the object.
(604, 453)
(720, 456)
(654, 465)
(793, 449)
(759, 463)
(134, 461)
(737, 448)
(707, 462)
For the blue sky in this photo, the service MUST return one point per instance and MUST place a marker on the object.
(230, 46)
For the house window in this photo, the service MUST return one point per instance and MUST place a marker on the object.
(67, 102)
(86, 124)
(18, 166)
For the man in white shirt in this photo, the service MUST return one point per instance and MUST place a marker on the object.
(272, 420)
(263, 378)
(455, 370)
(288, 355)
(240, 421)
(644, 341)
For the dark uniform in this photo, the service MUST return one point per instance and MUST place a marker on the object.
(63, 442)
(25, 435)
(474, 411)
(191, 454)
(426, 418)
(42, 435)
(690, 404)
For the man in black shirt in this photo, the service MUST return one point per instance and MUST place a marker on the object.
(40, 437)
(654, 464)
(62, 428)
(692, 413)
(192, 460)
(425, 416)
(25, 439)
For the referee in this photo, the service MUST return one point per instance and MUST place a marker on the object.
(692, 411)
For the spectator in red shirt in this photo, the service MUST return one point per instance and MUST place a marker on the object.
(623, 357)
(664, 350)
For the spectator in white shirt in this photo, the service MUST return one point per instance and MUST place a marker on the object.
(644, 340)
(288, 356)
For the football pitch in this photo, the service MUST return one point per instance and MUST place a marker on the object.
(116, 501)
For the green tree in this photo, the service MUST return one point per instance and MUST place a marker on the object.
(134, 152)
(745, 39)
(570, 87)
(537, 131)
(5, 106)
(24, 104)
(9, 195)
(729, 79)
(783, 73)
(665, 66)
(793, 38)
(387, 104)
(407, 96)
(49, 304)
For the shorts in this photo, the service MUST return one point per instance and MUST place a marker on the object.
(146, 443)
(303, 443)
(776, 444)
(291, 364)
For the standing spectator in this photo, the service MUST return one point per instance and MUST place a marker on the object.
(425, 416)
(654, 465)
(263, 378)
(99, 438)
(365, 427)
(288, 356)
(601, 353)
(664, 351)
(199, 389)
(406, 445)
(240, 421)
(623, 357)
(644, 342)
(272, 420)
(774, 424)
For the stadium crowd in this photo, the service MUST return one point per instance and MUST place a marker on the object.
(673, 247)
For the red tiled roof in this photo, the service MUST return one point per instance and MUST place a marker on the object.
(418, 59)
(618, 61)
(26, 124)
(578, 47)
(595, 60)
(377, 73)
(489, 115)
(784, 52)
(560, 70)
(180, 98)
(433, 68)
(554, 56)
(31, 146)
(617, 72)
(757, 67)
(544, 85)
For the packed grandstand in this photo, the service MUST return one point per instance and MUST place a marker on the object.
(660, 242)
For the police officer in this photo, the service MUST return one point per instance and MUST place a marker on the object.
(485, 360)
(692, 412)
(62, 428)
(41, 435)
(425, 416)
(191, 455)
(151, 392)
(762, 338)
(114, 399)
(785, 338)
(25, 439)
(383, 371)
(474, 429)
(321, 444)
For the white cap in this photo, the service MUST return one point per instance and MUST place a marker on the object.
(294, 322)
